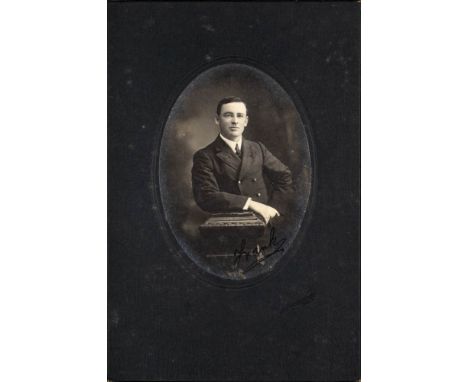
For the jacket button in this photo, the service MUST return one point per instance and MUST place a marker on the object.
(239, 182)
(259, 194)
(254, 179)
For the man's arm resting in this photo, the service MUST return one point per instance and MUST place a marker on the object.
(280, 177)
(247, 204)
(263, 210)
(206, 189)
(266, 212)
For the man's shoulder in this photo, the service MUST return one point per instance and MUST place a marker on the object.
(251, 143)
(218, 145)
(254, 145)
(207, 150)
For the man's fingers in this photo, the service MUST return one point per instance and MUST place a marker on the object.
(265, 211)
(273, 212)
(265, 216)
(265, 219)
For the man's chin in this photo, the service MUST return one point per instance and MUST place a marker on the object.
(233, 135)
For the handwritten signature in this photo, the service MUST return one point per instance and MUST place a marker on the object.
(259, 251)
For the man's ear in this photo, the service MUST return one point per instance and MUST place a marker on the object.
(246, 120)
(216, 119)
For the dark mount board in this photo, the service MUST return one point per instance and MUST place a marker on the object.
(303, 322)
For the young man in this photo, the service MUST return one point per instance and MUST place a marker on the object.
(228, 174)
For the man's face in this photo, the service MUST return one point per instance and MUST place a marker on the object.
(232, 120)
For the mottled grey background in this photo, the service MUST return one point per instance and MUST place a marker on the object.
(273, 120)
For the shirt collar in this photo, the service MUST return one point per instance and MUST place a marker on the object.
(232, 144)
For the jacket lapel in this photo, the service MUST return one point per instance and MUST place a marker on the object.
(224, 152)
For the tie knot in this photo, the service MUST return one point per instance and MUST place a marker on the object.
(238, 152)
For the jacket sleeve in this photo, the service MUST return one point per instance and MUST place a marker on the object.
(280, 178)
(206, 189)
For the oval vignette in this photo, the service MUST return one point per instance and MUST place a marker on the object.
(275, 121)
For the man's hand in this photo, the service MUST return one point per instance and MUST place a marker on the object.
(265, 211)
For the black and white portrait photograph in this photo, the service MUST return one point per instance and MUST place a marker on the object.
(233, 191)
(235, 171)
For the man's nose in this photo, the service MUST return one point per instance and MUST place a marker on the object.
(234, 121)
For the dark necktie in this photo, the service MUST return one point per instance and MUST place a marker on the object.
(238, 152)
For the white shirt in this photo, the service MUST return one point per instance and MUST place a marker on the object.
(232, 145)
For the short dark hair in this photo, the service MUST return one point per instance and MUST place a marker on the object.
(226, 100)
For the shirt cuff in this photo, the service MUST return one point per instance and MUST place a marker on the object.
(247, 204)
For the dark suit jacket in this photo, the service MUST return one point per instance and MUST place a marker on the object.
(222, 181)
